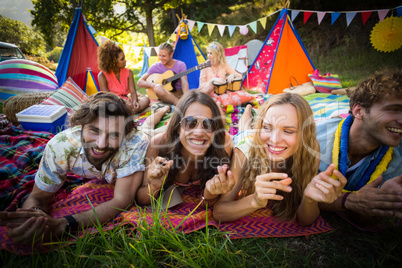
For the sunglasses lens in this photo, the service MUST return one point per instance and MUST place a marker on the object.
(190, 122)
(208, 125)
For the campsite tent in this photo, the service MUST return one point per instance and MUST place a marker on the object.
(190, 53)
(282, 57)
(79, 54)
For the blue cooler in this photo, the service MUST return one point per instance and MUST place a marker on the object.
(50, 118)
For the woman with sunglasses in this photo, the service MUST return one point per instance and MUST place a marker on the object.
(277, 165)
(116, 78)
(195, 150)
(220, 71)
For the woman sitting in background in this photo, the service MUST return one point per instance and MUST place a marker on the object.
(277, 165)
(220, 71)
(116, 78)
(195, 150)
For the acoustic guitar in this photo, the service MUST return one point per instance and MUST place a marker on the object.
(168, 77)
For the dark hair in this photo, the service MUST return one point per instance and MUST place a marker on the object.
(108, 54)
(386, 84)
(103, 104)
(214, 156)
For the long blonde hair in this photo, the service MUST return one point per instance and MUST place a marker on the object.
(218, 51)
(302, 166)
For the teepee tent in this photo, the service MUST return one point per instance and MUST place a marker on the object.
(190, 53)
(79, 53)
(282, 57)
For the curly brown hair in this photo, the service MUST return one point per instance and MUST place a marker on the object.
(103, 104)
(302, 166)
(385, 84)
(108, 54)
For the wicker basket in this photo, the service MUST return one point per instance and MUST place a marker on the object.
(17, 103)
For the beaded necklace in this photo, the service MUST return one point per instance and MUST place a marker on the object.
(340, 155)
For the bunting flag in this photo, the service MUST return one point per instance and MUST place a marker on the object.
(365, 16)
(294, 14)
(349, 18)
(244, 30)
(147, 50)
(306, 16)
(253, 26)
(334, 17)
(200, 24)
(382, 13)
(211, 28)
(263, 22)
(191, 24)
(231, 29)
(320, 16)
(221, 29)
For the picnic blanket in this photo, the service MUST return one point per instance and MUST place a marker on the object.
(20, 153)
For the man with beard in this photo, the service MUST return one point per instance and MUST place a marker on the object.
(102, 143)
(366, 148)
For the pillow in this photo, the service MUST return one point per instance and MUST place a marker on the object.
(234, 98)
(69, 95)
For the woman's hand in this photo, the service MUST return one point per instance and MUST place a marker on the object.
(267, 185)
(221, 183)
(230, 78)
(218, 81)
(158, 172)
(323, 188)
(135, 104)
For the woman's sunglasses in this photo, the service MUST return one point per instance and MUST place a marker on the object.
(191, 122)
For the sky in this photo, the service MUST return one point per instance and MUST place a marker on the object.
(17, 10)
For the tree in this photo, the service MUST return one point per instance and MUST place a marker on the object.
(16, 32)
(104, 15)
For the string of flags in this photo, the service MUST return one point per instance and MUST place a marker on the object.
(243, 29)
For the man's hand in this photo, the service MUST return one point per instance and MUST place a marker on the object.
(267, 185)
(221, 183)
(374, 201)
(158, 172)
(323, 188)
(31, 226)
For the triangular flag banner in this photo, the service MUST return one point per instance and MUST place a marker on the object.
(349, 17)
(190, 24)
(221, 29)
(147, 50)
(137, 51)
(231, 29)
(382, 13)
(320, 16)
(263, 22)
(200, 25)
(156, 50)
(253, 26)
(294, 14)
(211, 28)
(306, 15)
(399, 11)
(334, 17)
(365, 16)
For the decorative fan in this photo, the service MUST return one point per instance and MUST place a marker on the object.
(386, 36)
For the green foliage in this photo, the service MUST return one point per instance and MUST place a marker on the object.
(54, 55)
(16, 32)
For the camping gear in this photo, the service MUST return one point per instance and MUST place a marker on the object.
(325, 83)
(20, 76)
(302, 90)
(79, 53)
(49, 118)
(16, 104)
(283, 55)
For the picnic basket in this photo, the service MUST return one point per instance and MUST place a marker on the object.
(16, 104)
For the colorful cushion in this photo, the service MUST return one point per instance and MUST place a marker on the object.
(234, 98)
(69, 95)
(325, 83)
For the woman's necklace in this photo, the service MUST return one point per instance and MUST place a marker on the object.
(340, 156)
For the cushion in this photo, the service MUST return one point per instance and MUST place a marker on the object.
(234, 98)
(69, 95)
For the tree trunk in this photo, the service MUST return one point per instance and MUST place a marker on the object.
(150, 28)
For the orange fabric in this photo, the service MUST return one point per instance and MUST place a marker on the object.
(291, 60)
(119, 88)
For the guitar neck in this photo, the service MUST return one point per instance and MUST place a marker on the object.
(177, 76)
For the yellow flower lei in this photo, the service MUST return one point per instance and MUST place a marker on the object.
(381, 167)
